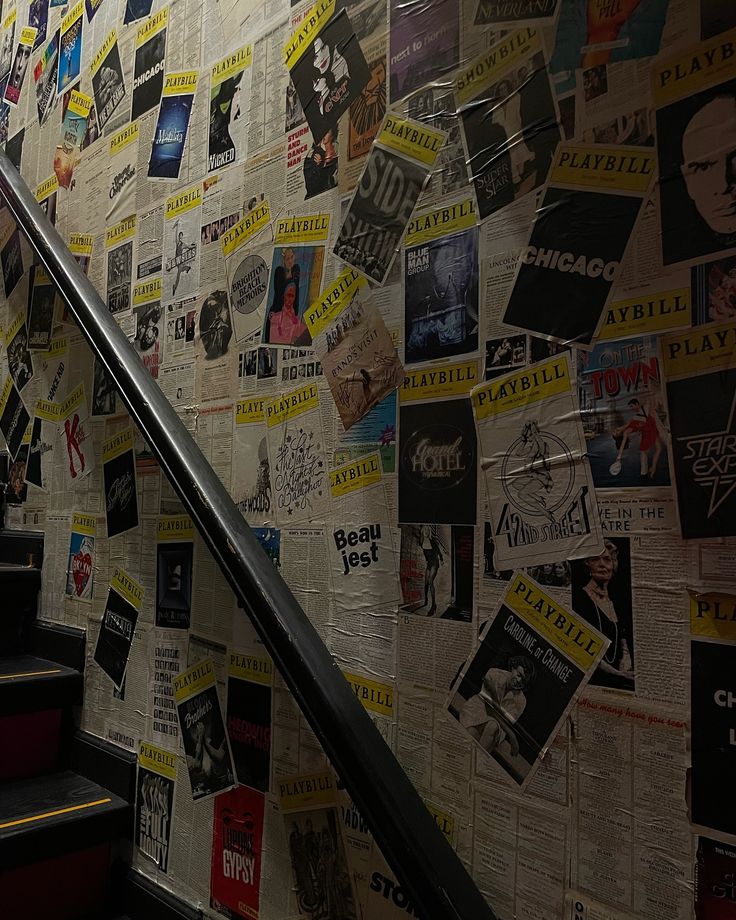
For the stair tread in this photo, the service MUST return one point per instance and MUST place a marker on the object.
(31, 684)
(48, 801)
(17, 669)
(20, 571)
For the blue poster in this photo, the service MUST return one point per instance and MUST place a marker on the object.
(70, 60)
(170, 136)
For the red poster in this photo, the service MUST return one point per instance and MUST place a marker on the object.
(236, 853)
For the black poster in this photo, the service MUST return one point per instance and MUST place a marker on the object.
(108, 85)
(715, 880)
(330, 74)
(115, 637)
(379, 212)
(148, 75)
(13, 417)
(12, 262)
(702, 418)
(121, 499)
(40, 309)
(249, 728)
(174, 584)
(568, 268)
(154, 806)
(205, 743)
(713, 668)
(437, 463)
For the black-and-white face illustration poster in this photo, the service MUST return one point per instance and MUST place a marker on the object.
(694, 93)
(206, 744)
(533, 456)
(121, 497)
(154, 803)
(534, 657)
(327, 66)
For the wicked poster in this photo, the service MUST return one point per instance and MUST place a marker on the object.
(249, 718)
(237, 851)
(509, 120)
(81, 564)
(121, 497)
(713, 728)
(117, 628)
(148, 70)
(700, 371)
(154, 803)
(327, 67)
(174, 571)
(206, 745)
(229, 92)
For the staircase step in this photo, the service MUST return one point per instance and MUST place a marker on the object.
(19, 586)
(21, 546)
(46, 816)
(30, 684)
(57, 642)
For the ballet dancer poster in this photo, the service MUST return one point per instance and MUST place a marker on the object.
(513, 693)
(534, 458)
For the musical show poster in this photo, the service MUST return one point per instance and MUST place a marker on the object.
(621, 394)
(14, 417)
(70, 43)
(41, 299)
(712, 660)
(75, 433)
(119, 241)
(20, 65)
(699, 367)
(534, 461)
(441, 284)
(438, 453)
(181, 244)
(154, 803)
(436, 571)
(327, 66)
(124, 601)
(73, 131)
(366, 114)
(20, 359)
(394, 175)
(136, 9)
(364, 567)
(296, 452)
(108, 84)
(237, 852)
(121, 496)
(11, 258)
(424, 45)
(509, 119)
(80, 570)
(121, 171)
(296, 277)
(693, 92)
(45, 73)
(172, 126)
(246, 247)
(174, 571)
(314, 825)
(206, 744)
(514, 692)
(148, 317)
(589, 208)
(7, 47)
(251, 478)
(715, 880)
(502, 13)
(358, 356)
(229, 94)
(44, 443)
(148, 69)
(249, 683)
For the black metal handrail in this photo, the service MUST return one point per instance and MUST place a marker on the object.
(415, 848)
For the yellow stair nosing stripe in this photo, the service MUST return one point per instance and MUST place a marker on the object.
(30, 674)
(53, 814)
